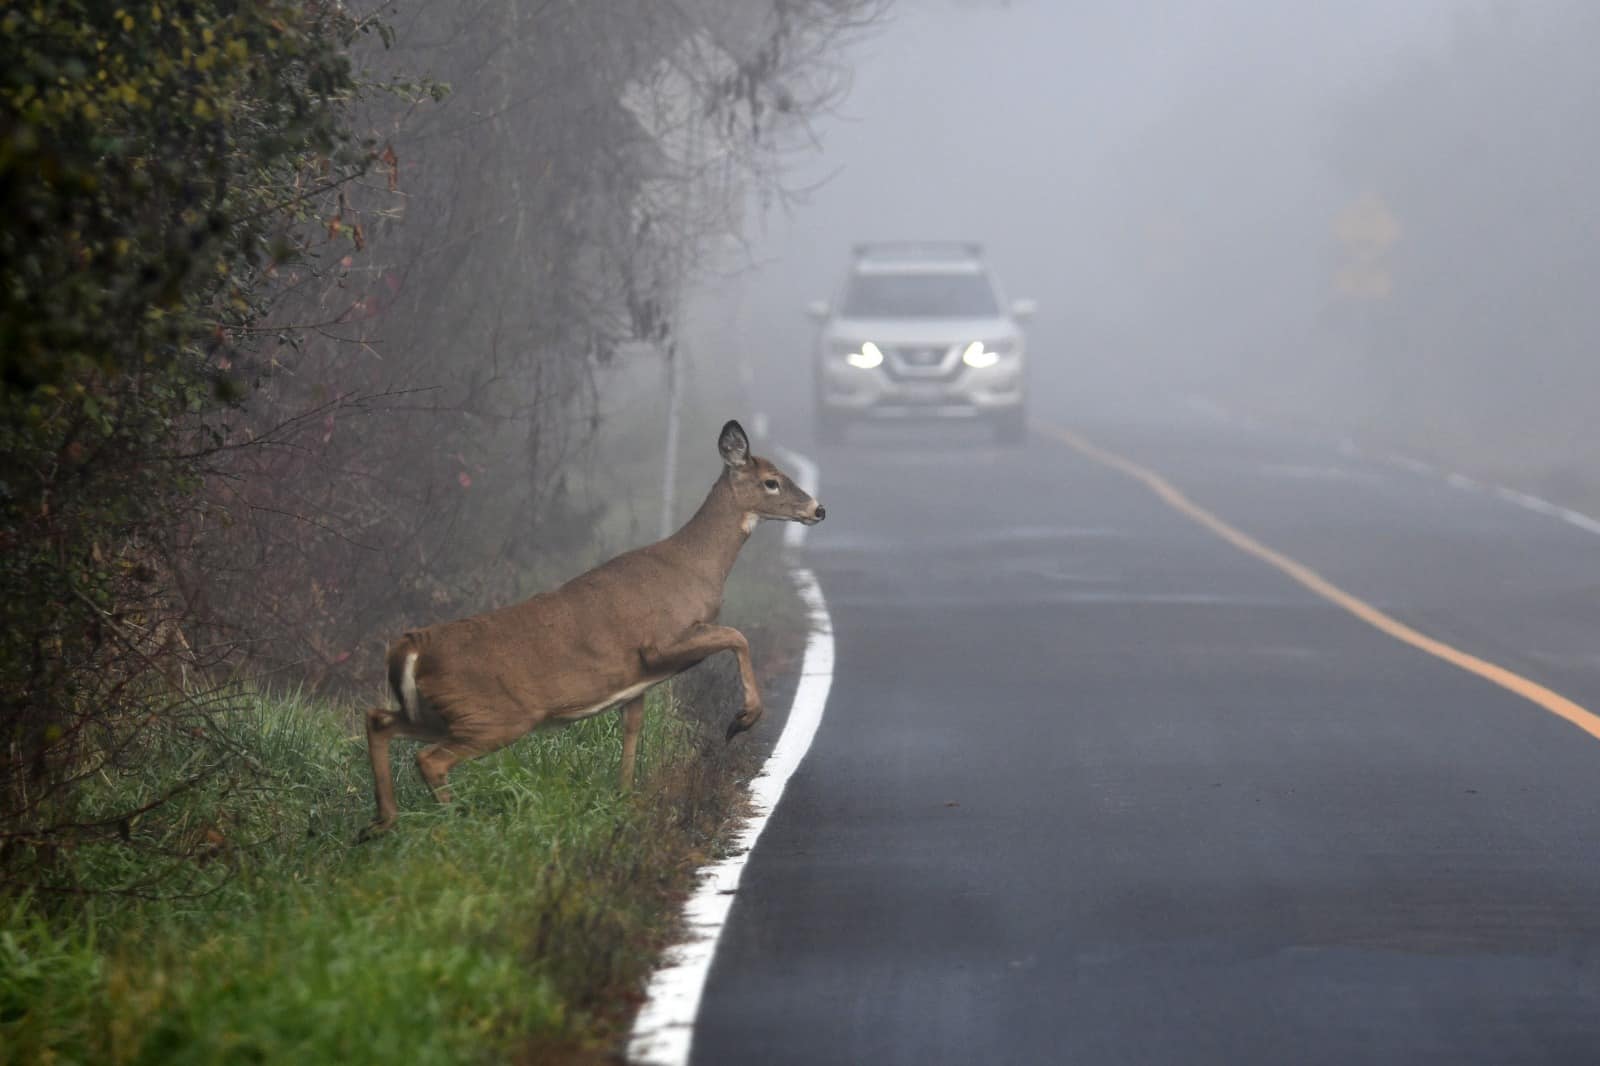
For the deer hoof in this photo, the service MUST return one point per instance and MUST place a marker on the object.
(376, 827)
(743, 721)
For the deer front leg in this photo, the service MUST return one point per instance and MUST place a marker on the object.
(632, 720)
(435, 761)
(701, 642)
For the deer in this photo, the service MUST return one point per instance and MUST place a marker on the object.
(470, 686)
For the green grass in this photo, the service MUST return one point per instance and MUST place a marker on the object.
(511, 926)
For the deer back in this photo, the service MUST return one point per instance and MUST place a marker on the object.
(563, 652)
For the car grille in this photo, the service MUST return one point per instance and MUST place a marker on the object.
(923, 362)
(922, 357)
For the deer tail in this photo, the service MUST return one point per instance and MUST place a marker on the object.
(403, 677)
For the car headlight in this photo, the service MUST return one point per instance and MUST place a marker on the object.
(981, 355)
(866, 358)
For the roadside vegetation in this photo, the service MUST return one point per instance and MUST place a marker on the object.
(517, 920)
(468, 932)
(516, 925)
(310, 317)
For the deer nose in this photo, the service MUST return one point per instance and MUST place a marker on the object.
(822, 512)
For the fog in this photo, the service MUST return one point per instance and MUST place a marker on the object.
(1197, 195)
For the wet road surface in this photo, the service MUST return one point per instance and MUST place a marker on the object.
(1095, 786)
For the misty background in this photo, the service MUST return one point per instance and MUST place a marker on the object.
(1376, 217)
(385, 332)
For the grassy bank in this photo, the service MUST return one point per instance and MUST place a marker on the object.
(516, 926)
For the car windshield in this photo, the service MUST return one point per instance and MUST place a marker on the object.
(919, 296)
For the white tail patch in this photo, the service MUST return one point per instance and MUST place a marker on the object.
(410, 702)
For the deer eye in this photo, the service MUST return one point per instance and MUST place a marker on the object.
(771, 484)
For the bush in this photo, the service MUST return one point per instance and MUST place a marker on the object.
(147, 155)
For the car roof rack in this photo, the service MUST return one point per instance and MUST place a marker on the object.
(918, 250)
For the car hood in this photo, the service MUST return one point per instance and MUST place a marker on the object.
(920, 331)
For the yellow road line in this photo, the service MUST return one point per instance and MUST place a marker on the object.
(1532, 691)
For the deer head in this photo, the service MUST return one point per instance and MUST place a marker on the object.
(760, 489)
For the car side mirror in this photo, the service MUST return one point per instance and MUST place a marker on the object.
(817, 309)
(1023, 309)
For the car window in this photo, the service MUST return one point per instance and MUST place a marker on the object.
(919, 296)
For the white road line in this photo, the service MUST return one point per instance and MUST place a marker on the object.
(1348, 447)
(1582, 521)
(1545, 507)
(1521, 499)
(663, 1031)
(1416, 466)
(1468, 484)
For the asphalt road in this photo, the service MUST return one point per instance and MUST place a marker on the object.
(1095, 786)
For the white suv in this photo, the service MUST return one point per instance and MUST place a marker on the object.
(920, 330)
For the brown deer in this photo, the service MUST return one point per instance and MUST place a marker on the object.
(477, 684)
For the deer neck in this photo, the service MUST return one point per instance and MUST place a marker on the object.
(712, 538)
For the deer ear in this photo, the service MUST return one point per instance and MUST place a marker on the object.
(734, 445)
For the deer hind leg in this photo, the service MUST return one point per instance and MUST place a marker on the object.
(382, 726)
(632, 720)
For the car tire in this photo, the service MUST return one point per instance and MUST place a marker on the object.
(1011, 427)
